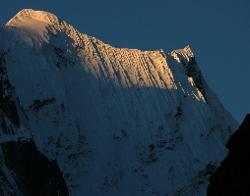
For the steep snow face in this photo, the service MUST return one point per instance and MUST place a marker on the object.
(118, 121)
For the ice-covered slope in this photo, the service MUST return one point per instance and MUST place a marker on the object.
(118, 121)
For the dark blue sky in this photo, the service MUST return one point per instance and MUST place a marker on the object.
(217, 30)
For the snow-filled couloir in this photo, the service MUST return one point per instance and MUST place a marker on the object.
(117, 121)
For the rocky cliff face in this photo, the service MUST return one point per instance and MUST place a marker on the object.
(116, 121)
(232, 177)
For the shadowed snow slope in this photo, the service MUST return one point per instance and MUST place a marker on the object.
(118, 121)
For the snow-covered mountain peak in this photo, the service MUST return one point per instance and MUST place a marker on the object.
(118, 121)
(36, 27)
(29, 14)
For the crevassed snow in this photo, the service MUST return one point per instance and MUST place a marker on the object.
(119, 121)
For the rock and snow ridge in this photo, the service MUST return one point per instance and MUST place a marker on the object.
(117, 121)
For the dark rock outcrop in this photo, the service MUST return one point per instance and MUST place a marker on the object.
(233, 176)
(36, 174)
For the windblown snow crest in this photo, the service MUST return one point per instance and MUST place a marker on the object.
(117, 121)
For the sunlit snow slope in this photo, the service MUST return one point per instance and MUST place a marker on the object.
(117, 121)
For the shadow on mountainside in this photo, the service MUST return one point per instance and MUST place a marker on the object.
(233, 176)
(23, 169)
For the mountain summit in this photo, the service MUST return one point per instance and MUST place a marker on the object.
(107, 121)
(29, 14)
